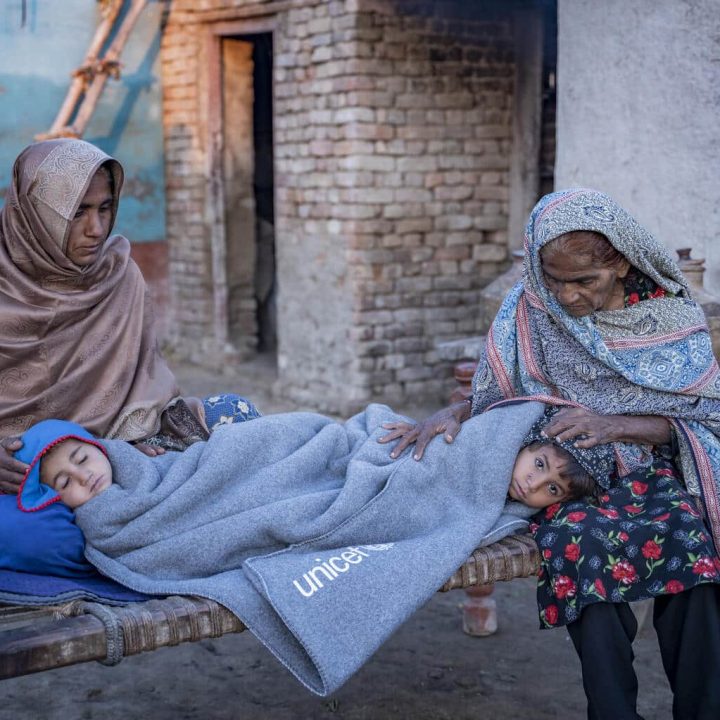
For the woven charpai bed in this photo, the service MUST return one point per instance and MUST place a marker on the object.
(37, 639)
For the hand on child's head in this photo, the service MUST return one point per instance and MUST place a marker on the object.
(76, 470)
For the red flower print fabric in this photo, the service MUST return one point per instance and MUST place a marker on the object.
(639, 287)
(644, 538)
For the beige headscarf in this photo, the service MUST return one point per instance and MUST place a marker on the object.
(76, 343)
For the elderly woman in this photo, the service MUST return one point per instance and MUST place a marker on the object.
(65, 284)
(604, 319)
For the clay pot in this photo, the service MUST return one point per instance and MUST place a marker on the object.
(694, 271)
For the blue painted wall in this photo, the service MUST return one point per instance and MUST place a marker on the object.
(36, 61)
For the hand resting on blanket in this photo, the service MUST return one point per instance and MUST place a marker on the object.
(585, 428)
(448, 421)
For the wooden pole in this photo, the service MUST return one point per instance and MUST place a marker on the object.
(95, 71)
(79, 82)
(107, 65)
(47, 644)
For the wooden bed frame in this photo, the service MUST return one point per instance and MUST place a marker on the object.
(37, 639)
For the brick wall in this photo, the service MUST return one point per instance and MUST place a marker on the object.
(392, 147)
(190, 279)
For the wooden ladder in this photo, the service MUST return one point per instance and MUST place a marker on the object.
(89, 79)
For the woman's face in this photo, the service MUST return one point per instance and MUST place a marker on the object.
(580, 285)
(91, 225)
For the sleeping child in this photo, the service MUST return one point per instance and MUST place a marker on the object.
(304, 527)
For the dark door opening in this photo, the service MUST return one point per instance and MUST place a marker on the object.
(549, 102)
(249, 190)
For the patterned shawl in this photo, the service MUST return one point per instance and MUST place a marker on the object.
(651, 358)
(75, 342)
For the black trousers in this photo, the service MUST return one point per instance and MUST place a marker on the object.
(688, 630)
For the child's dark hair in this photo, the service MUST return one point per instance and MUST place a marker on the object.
(580, 483)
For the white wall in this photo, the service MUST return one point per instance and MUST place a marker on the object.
(639, 114)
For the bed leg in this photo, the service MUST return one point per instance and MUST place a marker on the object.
(479, 611)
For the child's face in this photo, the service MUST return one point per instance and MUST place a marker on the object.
(77, 471)
(536, 480)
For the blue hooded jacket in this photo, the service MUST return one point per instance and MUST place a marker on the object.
(47, 542)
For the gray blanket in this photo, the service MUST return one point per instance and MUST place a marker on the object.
(305, 529)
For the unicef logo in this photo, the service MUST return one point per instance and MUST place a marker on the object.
(599, 213)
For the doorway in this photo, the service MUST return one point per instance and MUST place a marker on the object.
(248, 181)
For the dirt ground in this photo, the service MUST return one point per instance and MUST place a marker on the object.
(429, 670)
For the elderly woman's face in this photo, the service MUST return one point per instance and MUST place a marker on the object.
(580, 285)
(91, 225)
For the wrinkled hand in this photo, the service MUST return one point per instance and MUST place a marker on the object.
(149, 450)
(12, 471)
(587, 428)
(447, 421)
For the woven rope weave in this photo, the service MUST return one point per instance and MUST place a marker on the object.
(113, 630)
(146, 626)
(515, 556)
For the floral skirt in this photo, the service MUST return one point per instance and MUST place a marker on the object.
(644, 538)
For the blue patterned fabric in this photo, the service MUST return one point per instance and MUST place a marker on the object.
(228, 408)
(650, 358)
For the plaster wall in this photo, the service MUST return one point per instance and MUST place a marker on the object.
(637, 114)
